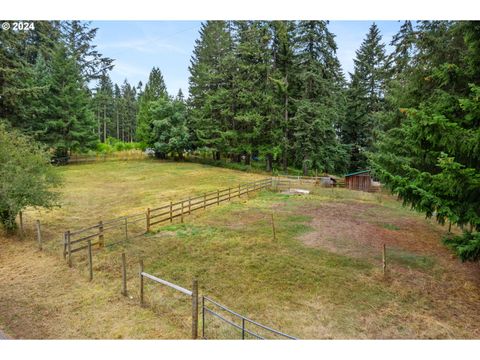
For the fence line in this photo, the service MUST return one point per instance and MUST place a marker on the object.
(77, 240)
(243, 321)
(191, 293)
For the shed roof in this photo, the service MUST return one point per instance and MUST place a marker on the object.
(358, 172)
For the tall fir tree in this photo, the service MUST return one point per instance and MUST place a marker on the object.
(319, 104)
(432, 159)
(155, 89)
(365, 98)
(212, 97)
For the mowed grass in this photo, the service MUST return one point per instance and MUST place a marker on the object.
(320, 278)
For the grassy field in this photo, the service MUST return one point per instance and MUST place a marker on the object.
(320, 278)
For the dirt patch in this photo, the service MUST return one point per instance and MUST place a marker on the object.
(360, 230)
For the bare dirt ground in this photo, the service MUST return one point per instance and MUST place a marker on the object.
(417, 261)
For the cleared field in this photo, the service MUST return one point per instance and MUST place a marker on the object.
(320, 279)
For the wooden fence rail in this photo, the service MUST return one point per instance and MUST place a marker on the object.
(192, 293)
(74, 241)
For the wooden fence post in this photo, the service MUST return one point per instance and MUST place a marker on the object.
(171, 218)
(229, 193)
(20, 218)
(189, 205)
(181, 216)
(204, 201)
(218, 197)
(101, 239)
(239, 191)
(90, 260)
(195, 309)
(384, 260)
(126, 228)
(65, 245)
(124, 275)
(141, 282)
(273, 228)
(148, 220)
(69, 248)
(39, 235)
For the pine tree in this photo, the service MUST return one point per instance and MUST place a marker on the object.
(365, 97)
(212, 97)
(155, 89)
(78, 37)
(282, 75)
(68, 122)
(432, 159)
(319, 107)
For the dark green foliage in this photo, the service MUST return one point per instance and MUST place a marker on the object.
(365, 99)
(432, 159)
(320, 107)
(155, 90)
(26, 176)
(466, 246)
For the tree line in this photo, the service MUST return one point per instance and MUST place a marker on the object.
(274, 92)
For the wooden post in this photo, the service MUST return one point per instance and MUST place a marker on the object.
(239, 191)
(203, 317)
(171, 218)
(148, 220)
(449, 226)
(39, 235)
(181, 216)
(101, 240)
(229, 193)
(195, 309)
(20, 218)
(218, 197)
(65, 245)
(124, 275)
(273, 229)
(141, 282)
(69, 248)
(204, 201)
(384, 260)
(90, 262)
(126, 228)
(189, 205)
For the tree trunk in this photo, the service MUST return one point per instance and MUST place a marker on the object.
(104, 123)
(305, 169)
(248, 159)
(269, 159)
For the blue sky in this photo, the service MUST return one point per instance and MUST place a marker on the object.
(137, 46)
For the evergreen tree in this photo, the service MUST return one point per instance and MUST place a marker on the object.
(169, 127)
(280, 133)
(68, 124)
(212, 97)
(365, 98)
(78, 37)
(155, 89)
(104, 107)
(319, 105)
(432, 160)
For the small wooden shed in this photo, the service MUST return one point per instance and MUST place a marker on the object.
(359, 180)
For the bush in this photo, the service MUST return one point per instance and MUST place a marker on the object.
(26, 176)
(466, 246)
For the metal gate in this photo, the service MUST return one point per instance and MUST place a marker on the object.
(238, 326)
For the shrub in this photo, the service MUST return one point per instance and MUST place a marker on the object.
(26, 176)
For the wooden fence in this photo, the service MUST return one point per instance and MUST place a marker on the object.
(126, 227)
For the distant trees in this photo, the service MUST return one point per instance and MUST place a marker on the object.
(26, 176)
(270, 90)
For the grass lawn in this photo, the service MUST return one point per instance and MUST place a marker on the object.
(320, 278)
